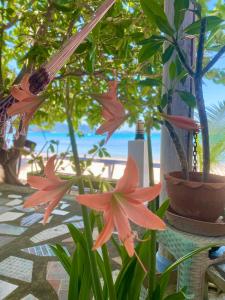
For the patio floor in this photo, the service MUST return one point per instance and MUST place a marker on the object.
(28, 268)
(27, 262)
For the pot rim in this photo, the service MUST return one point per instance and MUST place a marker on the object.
(195, 184)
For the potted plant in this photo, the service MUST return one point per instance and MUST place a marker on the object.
(196, 195)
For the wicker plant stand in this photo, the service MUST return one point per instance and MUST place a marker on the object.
(191, 274)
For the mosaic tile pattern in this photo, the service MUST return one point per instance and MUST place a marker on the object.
(49, 220)
(10, 216)
(60, 212)
(14, 196)
(73, 219)
(17, 268)
(79, 225)
(6, 289)
(29, 297)
(50, 233)
(11, 229)
(26, 210)
(58, 278)
(31, 219)
(14, 202)
(5, 208)
(41, 250)
(64, 205)
(4, 240)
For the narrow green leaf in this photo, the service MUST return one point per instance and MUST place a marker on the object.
(147, 51)
(167, 54)
(62, 256)
(163, 208)
(156, 14)
(188, 98)
(212, 22)
(164, 101)
(180, 6)
(73, 292)
(176, 296)
(172, 70)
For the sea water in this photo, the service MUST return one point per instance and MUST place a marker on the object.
(117, 146)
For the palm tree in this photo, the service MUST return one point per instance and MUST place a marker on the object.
(216, 119)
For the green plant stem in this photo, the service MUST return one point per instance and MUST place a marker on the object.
(152, 207)
(107, 265)
(87, 226)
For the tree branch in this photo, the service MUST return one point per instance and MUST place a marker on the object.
(182, 58)
(200, 51)
(213, 61)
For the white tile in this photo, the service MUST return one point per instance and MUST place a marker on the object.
(13, 196)
(17, 268)
(73, 219)
(10, 216)
(31, 219)
(23, 209)
(59, 212)
(49, 219)
(11, 229)
(6, 288)
(79, 225)
(64, 205)
(50, 233)
(14, 202)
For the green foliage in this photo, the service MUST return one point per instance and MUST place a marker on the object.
(188, 98)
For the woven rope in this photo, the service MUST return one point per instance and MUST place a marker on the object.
(191, 273)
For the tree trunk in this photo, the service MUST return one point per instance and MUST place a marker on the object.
(169, 161)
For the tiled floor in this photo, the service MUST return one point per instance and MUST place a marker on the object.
(25, 256)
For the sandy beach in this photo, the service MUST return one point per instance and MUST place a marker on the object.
(106, 168)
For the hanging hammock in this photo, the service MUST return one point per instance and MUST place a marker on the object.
(32, 85)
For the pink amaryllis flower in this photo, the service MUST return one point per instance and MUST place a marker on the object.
(124, 203)
(113, 111)
(182, 122)
(51, 189)
(27, 103)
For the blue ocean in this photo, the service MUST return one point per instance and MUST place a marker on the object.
(116, 146)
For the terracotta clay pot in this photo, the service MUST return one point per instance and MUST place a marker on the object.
(195, 199)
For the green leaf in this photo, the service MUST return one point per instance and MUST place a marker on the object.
(156, 14)
(147, 51)
(188, 98)
(74, 276)
(180, 6)
(150, 82)
(62, 256)
(167, 54)
(176, 296)
(153, 38)
(212, 22)
(172, 70)
(163, 208)
(164, 100)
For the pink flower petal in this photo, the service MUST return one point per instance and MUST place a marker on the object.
(124, 230)
(143, 217)
(99, 202)
(106, 233)
(50, 169)
(145, 194)
(130, 178)
(40, 182)
(182, 122)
